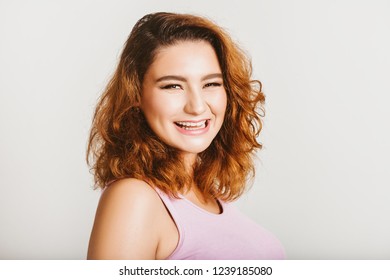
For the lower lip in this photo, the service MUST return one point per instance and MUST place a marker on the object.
(193, 132)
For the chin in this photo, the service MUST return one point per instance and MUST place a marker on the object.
(195, 149)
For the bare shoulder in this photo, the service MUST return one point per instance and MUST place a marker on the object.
(126, 190)
(126, 225)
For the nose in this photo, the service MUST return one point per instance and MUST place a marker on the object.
(195, 103)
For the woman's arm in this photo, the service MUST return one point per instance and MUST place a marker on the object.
(126, 222)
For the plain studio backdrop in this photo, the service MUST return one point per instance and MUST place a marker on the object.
(323, 177)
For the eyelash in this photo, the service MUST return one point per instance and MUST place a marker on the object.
(171, 86)
(213, 84)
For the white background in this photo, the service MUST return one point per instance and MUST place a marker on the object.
(322, 183)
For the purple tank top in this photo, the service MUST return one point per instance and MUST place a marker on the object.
(229, 235)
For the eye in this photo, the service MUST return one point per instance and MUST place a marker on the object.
(212, 85)
(171, 86)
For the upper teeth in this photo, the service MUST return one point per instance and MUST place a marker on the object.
(192, 124)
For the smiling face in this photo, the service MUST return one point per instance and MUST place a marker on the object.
(183, 96)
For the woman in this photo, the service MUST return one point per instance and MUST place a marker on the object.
(172, 140)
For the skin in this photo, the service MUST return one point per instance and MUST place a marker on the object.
(184, 83)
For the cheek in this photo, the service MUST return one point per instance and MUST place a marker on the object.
(224, 103)
(159, 107)
(219, 102)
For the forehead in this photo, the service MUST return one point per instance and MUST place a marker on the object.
(185, 57)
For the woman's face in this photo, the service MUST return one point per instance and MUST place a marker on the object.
(183, 96)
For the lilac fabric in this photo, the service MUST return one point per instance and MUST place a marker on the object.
(229, 235)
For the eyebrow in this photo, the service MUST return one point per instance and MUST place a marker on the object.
(183, 79)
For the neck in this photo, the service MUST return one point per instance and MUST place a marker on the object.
(189, 161)
(194, 194)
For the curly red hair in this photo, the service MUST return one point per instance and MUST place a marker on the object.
(121, 143)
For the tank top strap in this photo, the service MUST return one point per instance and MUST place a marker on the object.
(176, 217)
(168, 204)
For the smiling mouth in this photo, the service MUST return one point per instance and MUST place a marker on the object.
(193, 125)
